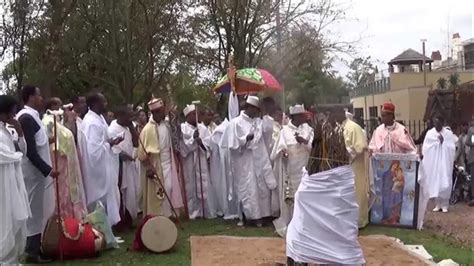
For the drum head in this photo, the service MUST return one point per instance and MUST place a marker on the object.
(159, 234)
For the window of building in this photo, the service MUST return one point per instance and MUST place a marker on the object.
(469, 56)
(359, 112)
(373, 112)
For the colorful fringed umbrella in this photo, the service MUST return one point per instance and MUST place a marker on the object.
(248, 80)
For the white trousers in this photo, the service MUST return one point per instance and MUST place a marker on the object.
(442, 200)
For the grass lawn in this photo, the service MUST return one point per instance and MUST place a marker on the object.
(181, 255)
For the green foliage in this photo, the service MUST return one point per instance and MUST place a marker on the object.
(441, 83)
(131, 49)
(304, 69)
(184, 89)
(123, 48)
(453, 80)
(362, 71)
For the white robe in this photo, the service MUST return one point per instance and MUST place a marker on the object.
(252, 173)
(233, 106)
(267, 125)
(14, 206)
(130, 175)
(324, 227)
(216, 172)
(168, 167)
(194, 175)
(40, 189)
(435, 175)
(101, 166)
(226, 204)
(288, 171)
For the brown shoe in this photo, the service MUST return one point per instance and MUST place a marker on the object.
(471, 203)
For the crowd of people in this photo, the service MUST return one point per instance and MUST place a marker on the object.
(133, 161)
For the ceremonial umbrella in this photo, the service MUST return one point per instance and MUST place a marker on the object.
(248, 80)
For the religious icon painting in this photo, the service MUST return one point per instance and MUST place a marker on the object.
(396, 190)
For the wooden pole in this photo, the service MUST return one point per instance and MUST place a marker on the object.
(155, 176)
(424, 62)
(231, 72)
(58, 205)
(199, 162)
(174, 124)
(184, 194)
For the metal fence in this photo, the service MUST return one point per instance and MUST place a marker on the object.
(414, 127)
(378, 86)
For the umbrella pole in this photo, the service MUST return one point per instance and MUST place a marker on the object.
(284, 97)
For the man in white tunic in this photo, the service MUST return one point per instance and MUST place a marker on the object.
(268, 106)
(215, 162)
(290, 156)
(207, 119)
(100, 164)
(219, 173)
(252, 175)
(436, 171)
(14, 207)
(156, 152)
(195, 151)
(37, 171)
(127, 151)
(226, 203)
(275, 122)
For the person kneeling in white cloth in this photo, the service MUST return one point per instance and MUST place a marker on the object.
(324, 227)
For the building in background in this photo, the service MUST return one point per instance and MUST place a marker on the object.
(437, 59)
(407, 85)
(468, 51)
(456, 58)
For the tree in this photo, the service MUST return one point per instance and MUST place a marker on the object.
(307, 75)
(362, 71)
(184, 88)
(453, 80)
(441, 83)
(124, 48)
(19, 23)
(249, 28)
(131, 49)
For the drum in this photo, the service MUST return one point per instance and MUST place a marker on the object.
(159, 234)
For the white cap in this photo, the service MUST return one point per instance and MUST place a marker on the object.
(155, 103)
(348, 114)
(297, 109)
(189, 109)
(55, 112)
(253, 100)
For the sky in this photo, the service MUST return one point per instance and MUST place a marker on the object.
(388, 27)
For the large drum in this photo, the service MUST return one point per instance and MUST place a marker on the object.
(159, 234)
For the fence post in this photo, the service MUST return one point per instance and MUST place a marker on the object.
(419, 127)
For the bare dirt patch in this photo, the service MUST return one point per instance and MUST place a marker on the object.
(226, 250)
(457, 224)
